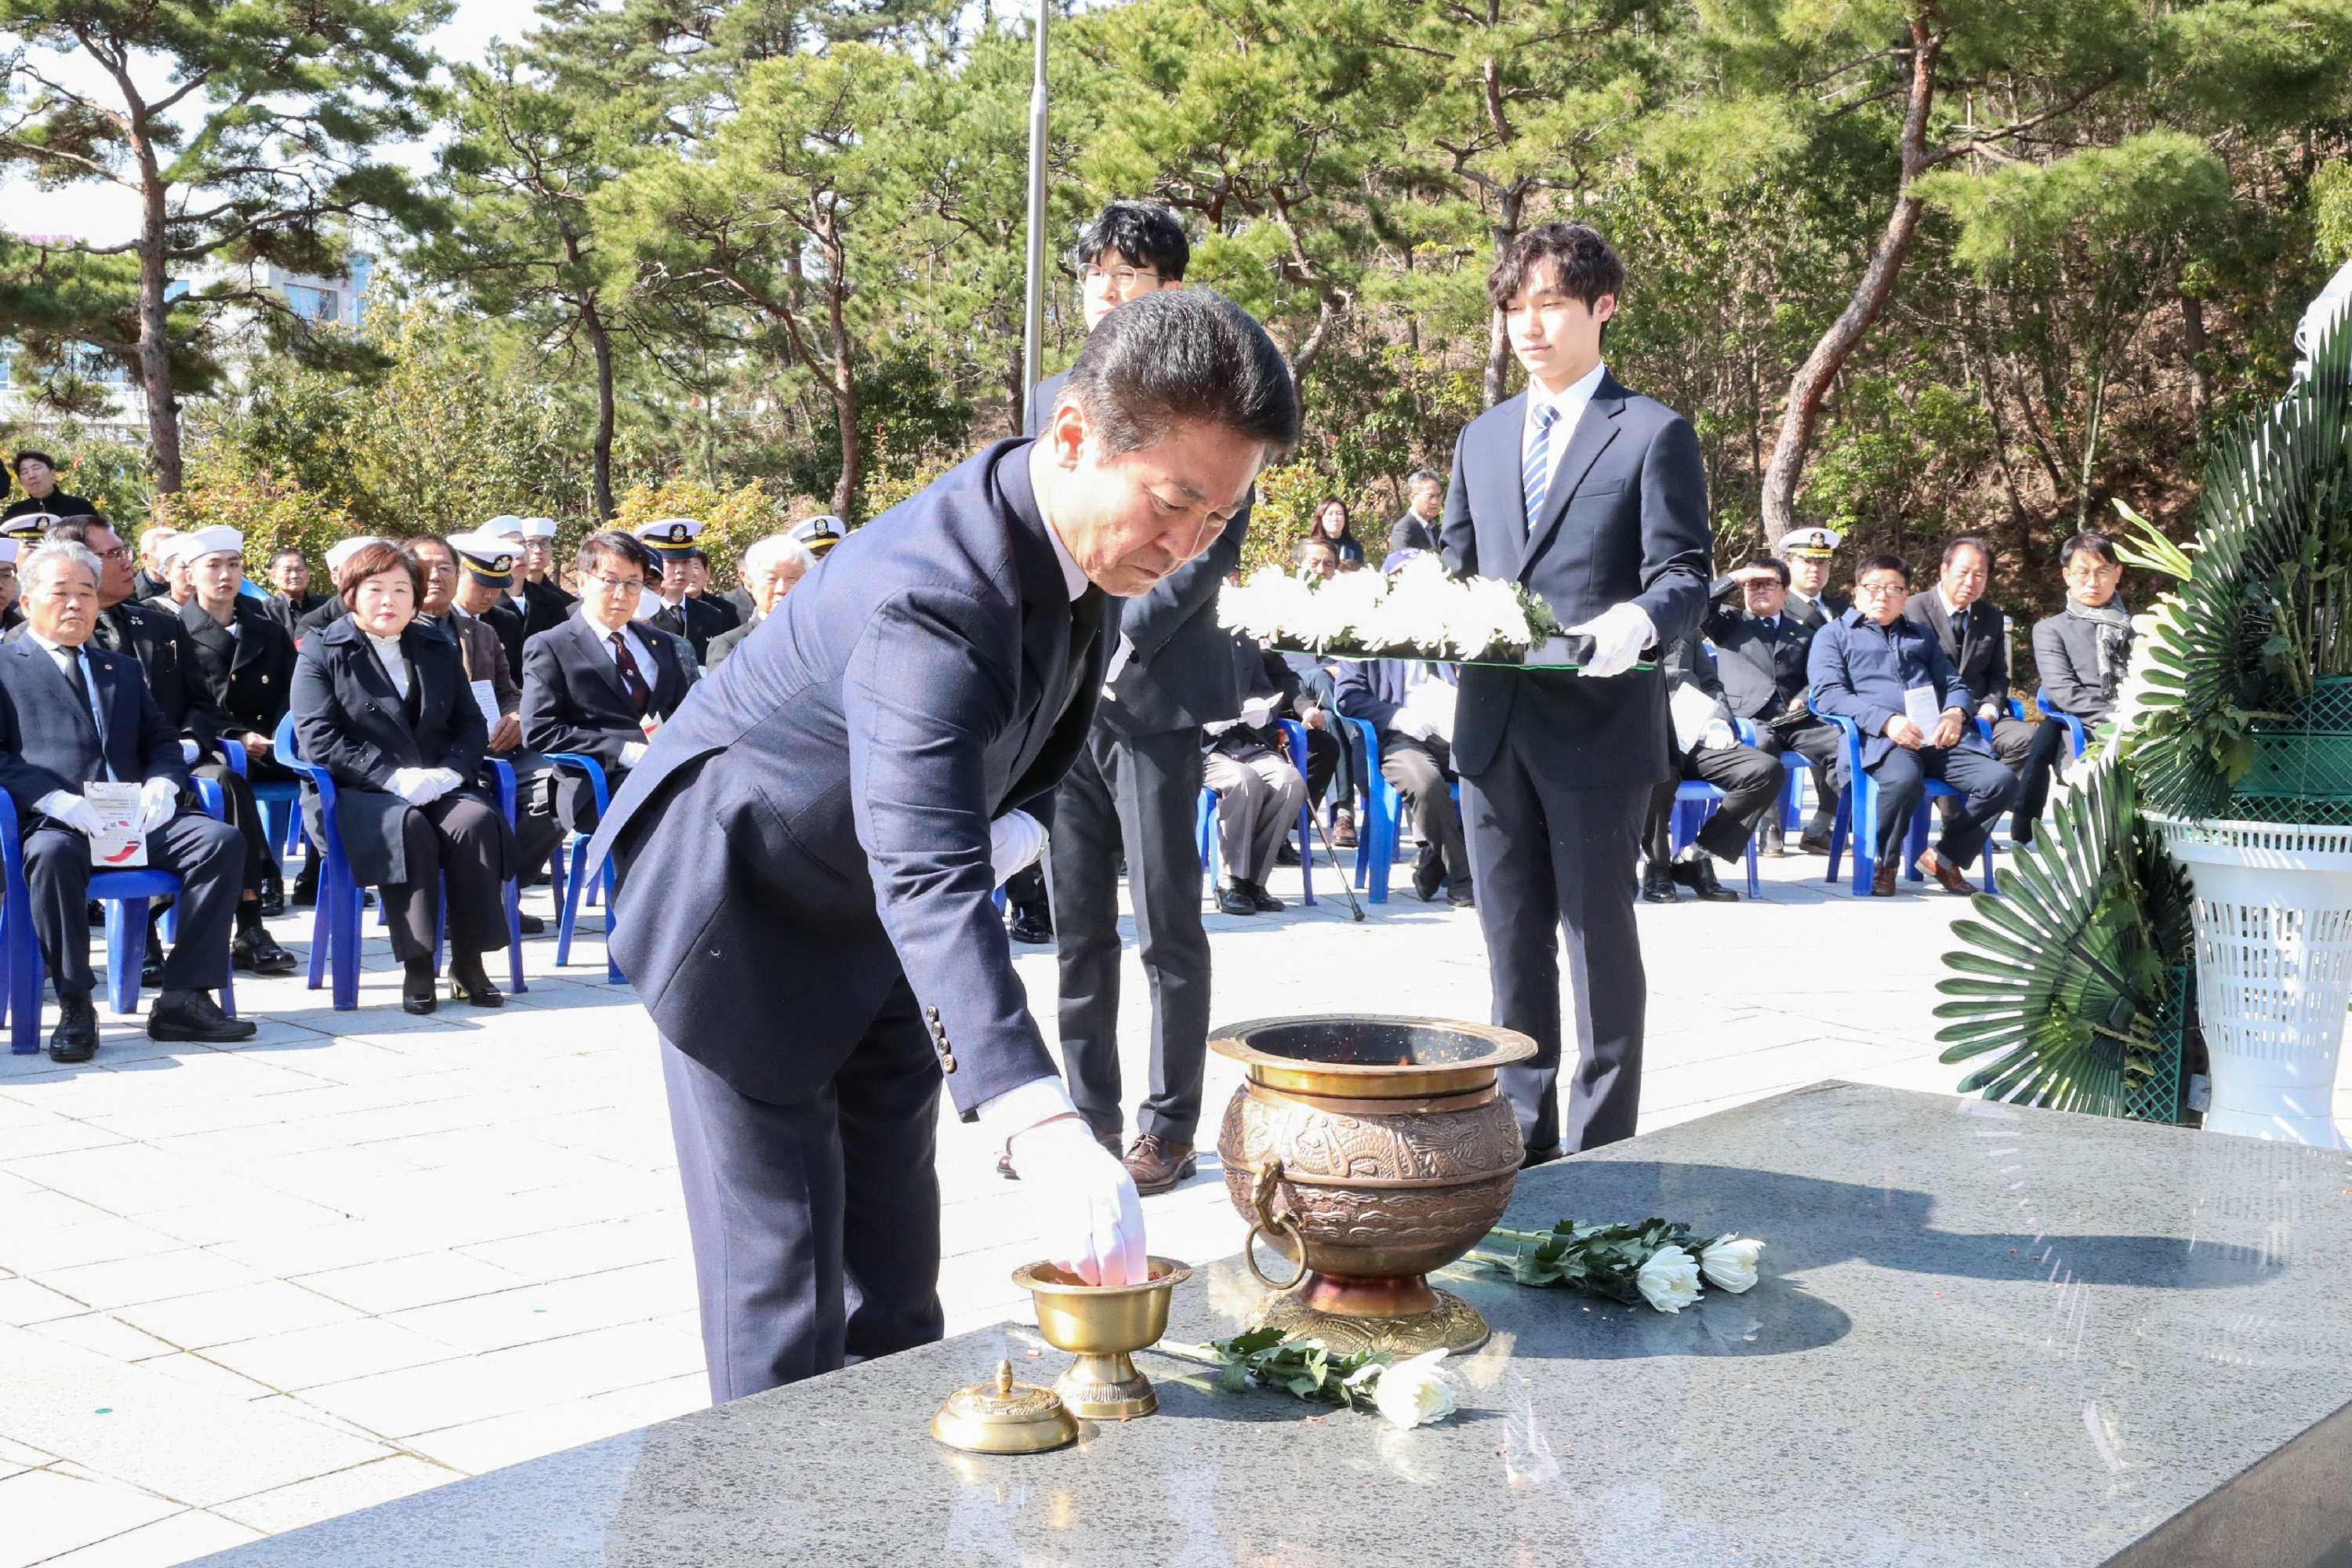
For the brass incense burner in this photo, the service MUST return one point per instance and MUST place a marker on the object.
(1370, 1150)
(1103, 1325)
(1001, 1416)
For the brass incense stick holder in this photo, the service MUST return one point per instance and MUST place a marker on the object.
(1103, 1325)
(1370, 1150)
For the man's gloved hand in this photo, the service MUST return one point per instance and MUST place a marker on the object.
(63, 805)
(1015, 842)
(1093, 1224)
(449, 779)
(632, 752)
(158, 799)
(1256, 711)
(1718, 735)
(1619, 634)
(189, 751)
(418, 787)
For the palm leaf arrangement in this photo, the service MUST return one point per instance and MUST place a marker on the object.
(2066, 972)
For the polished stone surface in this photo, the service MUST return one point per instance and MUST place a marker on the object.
(1983, 1336)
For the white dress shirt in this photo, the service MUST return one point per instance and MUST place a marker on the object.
(637, 649)
(396, 664)
(1572, 403)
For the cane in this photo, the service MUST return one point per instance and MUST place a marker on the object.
(1354, 908)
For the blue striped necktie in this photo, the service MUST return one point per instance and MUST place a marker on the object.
(1535, 475)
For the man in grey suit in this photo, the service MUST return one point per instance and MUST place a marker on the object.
(1596, 500)
(1136, 788)
(1424, 513)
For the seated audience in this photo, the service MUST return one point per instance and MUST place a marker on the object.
(1335, 752)
(381, 702)
(37, 472)
(338, 557)
(1808, 551)
(479, 568)
(1975, 639)
(1704, 748)
(544, 602)
(289, 597)
(1410, 705)
(602, 682)
(1316, 557)
(770, 569)
(1761, 652)
(245, 661)
(668, 607)
(69, 714)
(1425, 511)
(1331, 525)
(176, 588)
(148, 582)
(1258, 791)
(1889, 674)
(2081, 653)
(11, 616)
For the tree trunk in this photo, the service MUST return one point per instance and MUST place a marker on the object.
(1811, 382)
(844, 393)
(2192, 345)
(602, 342)
(1507, 208)
(154, 334)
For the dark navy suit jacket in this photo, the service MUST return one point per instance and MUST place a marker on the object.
(1624, 521)
(1374, 688)
(1862, 669)
(572, 698)
(812, 828)
(1180, 673)
(47, 741)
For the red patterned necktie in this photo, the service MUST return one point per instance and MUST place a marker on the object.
(633, 680)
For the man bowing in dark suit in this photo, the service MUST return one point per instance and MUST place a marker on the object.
(807, 853)
(1595, 498)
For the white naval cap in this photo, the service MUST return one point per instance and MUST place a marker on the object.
(339, 554)
(1810, 541)
(210, 541)
(539, 528)
(506, 525)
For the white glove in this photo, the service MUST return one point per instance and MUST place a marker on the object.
(1619, 634)
(1015, 842)
(632, 753)
(449, 779)
(188, 752)
(64, 806)
(1718, 735)
(1093, 1222)
(418, 787)
(158, 799)
(1256, 711)
(1413, 726)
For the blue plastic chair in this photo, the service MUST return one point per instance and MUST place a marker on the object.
(575, 887)
(1295, 733)
(1857, 816)
(125, 894)
(2076, 731)
(1376, 836)
(1695, 801)
(279, 799)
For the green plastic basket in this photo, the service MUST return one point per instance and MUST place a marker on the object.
(2157, 1098)
(2303, 764)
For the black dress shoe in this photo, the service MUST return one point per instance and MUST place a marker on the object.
(273, 900)
(1428, 874)
(306, 892)
(197, 1017)
(529, 924)
(1031, 927)
(1530, 1158)
(95, 914)
(1698, 876)
(75, 1039)
(469, 984)
(1814, 844)
(1267, 904)
(1460, 895)
(420, 992)
(1232, 900)
(255, 950)
(150, 968)
(1658, 886)
(1285, 856)
(1774, 843)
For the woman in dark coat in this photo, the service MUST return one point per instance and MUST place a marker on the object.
(380, 701)
(1331, 524)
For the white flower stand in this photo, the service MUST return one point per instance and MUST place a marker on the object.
(2274, 909)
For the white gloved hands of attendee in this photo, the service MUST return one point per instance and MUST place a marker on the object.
(1619, 634)
(189, 750)
(1718, 735)
(1256, 711)
(1015, 842)
(1094, 1221)
(418, 787)
(158, 799)
(449, 779)
(632, 753)
(64, 806)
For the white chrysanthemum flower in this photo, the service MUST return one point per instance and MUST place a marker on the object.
(1266, 605)
(1338, 607)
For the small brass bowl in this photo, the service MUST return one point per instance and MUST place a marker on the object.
(1103, 1325)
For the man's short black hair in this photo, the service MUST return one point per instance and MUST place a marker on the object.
(1579, 259)
(1184, 354)
(624, 544)
(1894, 564)
(1299, 551)
(1145, 234)
(1772, 563)
(1421, 477)
(2097, 545)
(41, 458)
(436, 540)
(75, 530)
(1976, 543)
(283, 550)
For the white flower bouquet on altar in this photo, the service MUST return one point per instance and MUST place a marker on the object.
(1415, 612)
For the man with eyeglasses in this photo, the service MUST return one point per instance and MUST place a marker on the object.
(2082, 654)
(599, 683)
(1888, 674)
(1134, 792)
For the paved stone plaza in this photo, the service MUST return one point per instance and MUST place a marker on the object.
(365, 1254)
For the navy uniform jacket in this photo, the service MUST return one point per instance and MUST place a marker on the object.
(47, 741)
(544, 605)
(1861, 670)
(695, 620)
(249, 677)
(1624, 521)
(812, 830)
(1817, 613)
(1180, 673)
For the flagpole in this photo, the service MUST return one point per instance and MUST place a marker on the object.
(1032, 314)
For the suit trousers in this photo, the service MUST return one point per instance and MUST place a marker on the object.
(1903, 775)
(209, 858)
(456, 839)
(816, 1226)
(1818, 742)
(1138, 794)
(1422, 771)
(2052, 746)
(2012, 742)
(1551, 857)
(1751, 783)
(244, 813)
(1258, 795)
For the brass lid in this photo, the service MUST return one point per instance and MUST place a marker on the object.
(1001, 1416)
(1370, 1056)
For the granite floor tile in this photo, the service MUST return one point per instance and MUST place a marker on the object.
(324, 1497)
(199, 1371)
(47, 1513)
(551, 1311)
(417, 1282)
(106, 1335)
(575, 1250)
(193, 1532)
(333, 1352)
(128, 1281)
(240, 1312)
(26, 1302)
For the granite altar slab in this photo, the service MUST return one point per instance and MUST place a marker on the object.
(1984, 1336)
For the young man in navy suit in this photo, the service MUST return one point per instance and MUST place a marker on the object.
(1595, 498)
